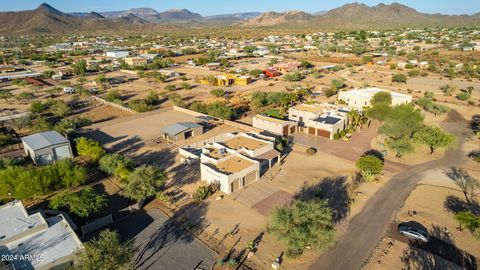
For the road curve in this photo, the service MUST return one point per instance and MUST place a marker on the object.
(367, 227)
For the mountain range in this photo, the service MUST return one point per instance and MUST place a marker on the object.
(46, 19)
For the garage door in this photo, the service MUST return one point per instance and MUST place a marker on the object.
(311, 130)
(235, 185)
(323, 133)
(62, 152)
(44, 159)
(251, 177)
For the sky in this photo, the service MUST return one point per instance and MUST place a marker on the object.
(212, 7)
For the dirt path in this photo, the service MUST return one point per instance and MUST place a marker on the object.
(367, 228)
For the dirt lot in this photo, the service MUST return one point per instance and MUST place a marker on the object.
(298, 176)
(434, 201)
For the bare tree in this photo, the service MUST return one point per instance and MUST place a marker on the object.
(469, 185)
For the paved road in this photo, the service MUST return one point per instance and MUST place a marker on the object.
(162, 244)
(368, 227)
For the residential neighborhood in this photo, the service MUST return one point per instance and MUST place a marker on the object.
(339, 136)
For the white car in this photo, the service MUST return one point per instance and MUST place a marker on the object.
(69, 90)
(414, 233)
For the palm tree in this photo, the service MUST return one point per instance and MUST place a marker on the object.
(356, 119)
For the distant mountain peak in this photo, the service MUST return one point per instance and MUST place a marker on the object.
(47, 8)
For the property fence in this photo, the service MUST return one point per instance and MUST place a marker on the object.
(96, 224)
(115, 105)
(225, 122)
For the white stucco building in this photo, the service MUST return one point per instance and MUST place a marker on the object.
(360, 98)
(319, 119)
(274, 125)
(234, 161)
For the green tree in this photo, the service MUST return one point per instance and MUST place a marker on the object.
(379, 111)
(255, 73)
(144, 182)
(105, 253)
(113, 95)
(139, 105)
(81, 203)
(382, 97)
(37, 107)
(90, 149)
(170, 87)
(305, 64)
(468, 219)
(111, 163)
(80, 68)
(218, 92)
(402, 121)
(6, 95)
(220, 110)
(303, 224)
(369, 166)
(293, 77)
(434, 137)
(60, 108)
(176, 99)
(401, 146)
(40, 124)
(25, 97)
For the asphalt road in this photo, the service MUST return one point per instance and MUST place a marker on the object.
(367, 228)
(162, 244)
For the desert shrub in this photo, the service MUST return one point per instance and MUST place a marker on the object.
(293, 77)
(311, 151)
(113, 95)
(139, 105)
(203, 192)
(163, 197)
(464, 96)
(400, 78)
(90, 149)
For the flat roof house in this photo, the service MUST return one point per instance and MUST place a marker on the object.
(274, 125)
(319, 119)
(182, 131)
(135, 61)
(117, 54)
(47, 147)
(235, 160)
(34, 242)
(360, 98)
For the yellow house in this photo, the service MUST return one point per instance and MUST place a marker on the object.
(227, 79)
(243, 80)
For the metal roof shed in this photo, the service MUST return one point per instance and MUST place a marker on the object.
(47, 147)
(182, 131)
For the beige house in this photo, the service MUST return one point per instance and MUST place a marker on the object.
(274, 125)
(319, 119)
(136, 61)
(235, 161)
(360, 98)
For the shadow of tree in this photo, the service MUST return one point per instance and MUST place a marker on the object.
(334, 190)
(170, 233)
(455, 204)
(184, 174)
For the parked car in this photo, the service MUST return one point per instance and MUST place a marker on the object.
(413, 233)
(69, 90)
